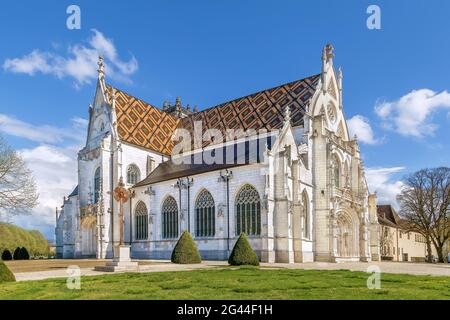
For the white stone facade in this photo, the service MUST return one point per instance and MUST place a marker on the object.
(314, 201)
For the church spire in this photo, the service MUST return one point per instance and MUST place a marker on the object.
(327, 59)
(101, 79)
(339, 82)
(101, 67)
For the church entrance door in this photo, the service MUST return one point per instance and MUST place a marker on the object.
(88, 237)
(347, 244)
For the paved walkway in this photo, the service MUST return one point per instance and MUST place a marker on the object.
(166, 266)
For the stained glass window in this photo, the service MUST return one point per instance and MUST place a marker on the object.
(205, 222)
(248, 212)
(141, 221)
(170, 219)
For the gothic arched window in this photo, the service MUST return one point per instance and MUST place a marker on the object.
(170, 219)
(97, 180)
(133, 174)
(205, 221)
(248, 211)
(306, 216)
(347, 181)
(141, 221)
(336, 172)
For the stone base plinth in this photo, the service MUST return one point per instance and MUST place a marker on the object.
(121, 262)
(375, 257)
(282, 256)
(267, 256)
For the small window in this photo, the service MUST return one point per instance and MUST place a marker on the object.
(133, 174)
(336, 173)
(97, 181)
(336, 177)
(306, 216)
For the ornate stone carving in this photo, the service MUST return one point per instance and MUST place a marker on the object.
(331, 111)
(332, 90)
(340, 131)
(329, 51)
(88, 155)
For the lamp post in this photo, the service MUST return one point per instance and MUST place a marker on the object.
(226, 178)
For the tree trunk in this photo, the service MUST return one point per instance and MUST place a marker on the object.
(440, 253)
(429, 251)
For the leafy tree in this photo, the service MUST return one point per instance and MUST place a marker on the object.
(17, 186)
(243, 253)
(12, 236)
(6, 255)
(425, 205)
(185, 251)
(5, 274)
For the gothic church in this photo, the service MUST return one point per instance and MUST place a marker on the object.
(290, 177)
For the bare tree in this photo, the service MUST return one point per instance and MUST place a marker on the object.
(425, 205)
(17, 186)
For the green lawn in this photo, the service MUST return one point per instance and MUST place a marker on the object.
(244, 283)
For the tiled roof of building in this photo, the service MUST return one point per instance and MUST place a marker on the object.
(74, 192)
(235, 155)
(389, 217)
(142, 124)
(261, 110)
(147, 126)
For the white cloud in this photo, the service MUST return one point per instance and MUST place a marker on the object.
(53, 163)
(383, 181)
(79, 64)
(54, 170)
(41, 134)
(411, 114)
(360, 126)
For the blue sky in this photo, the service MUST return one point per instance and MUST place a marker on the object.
(395, 79)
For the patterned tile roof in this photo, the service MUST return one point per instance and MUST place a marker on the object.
(144, 125)
(261, 110)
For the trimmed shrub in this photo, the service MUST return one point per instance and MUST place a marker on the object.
(243, 253)
(5, 274)
(16, 254)
(24, 255)
(6, 255)
(185, 251)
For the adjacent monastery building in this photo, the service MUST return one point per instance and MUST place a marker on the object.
(278, 165)
(397, 241)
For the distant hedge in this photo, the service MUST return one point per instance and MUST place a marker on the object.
(12, 237)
